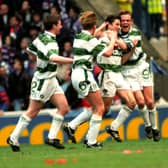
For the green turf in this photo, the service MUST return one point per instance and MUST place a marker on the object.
(152, 155)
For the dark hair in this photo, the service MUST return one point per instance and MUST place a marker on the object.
(50, 20)
(111, 18)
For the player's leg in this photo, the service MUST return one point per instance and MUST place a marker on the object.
(96, 102)
(119, 84)
(23, 122)
(143, 112)
(147, 83)
(87, 87)
(58, 100)
(123, 114)
(70, 127)
(113, 133)
(107, 103)
(148, 95)
(135, 79)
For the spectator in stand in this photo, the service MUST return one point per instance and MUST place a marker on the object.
(25, 41)
(19, 86)
(155, 12)
(55, 11)
(45, 7)
(71, 26)
(36, 21)
(4, 17)
(137, 8)
(31, 67)
(33, 32)
(22, 54)
(8, 51)
(26, 13)
(4, 75)
(141, 16)
(4, 98)
(125, 5)
(67, 50)
(13, 5)
(72, 22)
(63, 5)
(15, 30)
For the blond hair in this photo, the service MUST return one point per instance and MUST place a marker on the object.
(88, 19)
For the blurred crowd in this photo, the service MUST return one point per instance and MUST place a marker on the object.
(22, 20)
(20, 23)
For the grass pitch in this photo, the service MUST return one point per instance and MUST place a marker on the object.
(128, 154)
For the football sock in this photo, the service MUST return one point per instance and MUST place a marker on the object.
(94, 127)
(55, 126)
(121, 117)
(23, 122)
(153, 118)
(82, 117)
(145, 114)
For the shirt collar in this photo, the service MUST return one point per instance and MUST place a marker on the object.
(120, 32)
(86, 32)
(50, 34)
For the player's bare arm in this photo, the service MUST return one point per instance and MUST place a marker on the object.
(61, 59)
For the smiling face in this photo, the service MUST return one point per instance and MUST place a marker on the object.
(126, 22)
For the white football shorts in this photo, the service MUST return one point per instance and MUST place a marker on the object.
(83, 82)
(43, 89)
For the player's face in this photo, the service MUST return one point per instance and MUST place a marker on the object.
(126, 22)
(115, 25)
(58, 27)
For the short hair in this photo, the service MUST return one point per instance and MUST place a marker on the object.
(124, 12)
(88, 19)
(50, 20)
(111, 18)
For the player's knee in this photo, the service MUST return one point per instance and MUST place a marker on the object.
(107, 108)
(132, 104)
(100, 109)
(64, 110)
(150, 104)
(67, 109)
(141, 103)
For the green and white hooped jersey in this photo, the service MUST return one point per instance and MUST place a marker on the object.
(85, 49)
(112, 63)
(44, 46)
(138, 54)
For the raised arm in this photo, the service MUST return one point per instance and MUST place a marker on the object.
(60, 59)
(99, 31)
(129, 54)
(112, 35)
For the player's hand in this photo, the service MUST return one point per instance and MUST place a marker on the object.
(135, 42)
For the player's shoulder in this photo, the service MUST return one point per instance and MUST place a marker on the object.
(134, 31)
